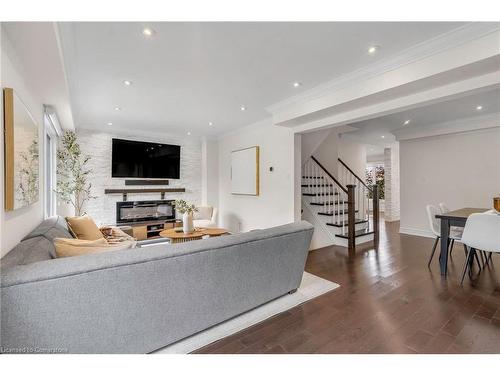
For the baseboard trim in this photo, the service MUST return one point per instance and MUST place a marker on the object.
(417, 232)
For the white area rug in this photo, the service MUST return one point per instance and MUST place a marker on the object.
(311, 287)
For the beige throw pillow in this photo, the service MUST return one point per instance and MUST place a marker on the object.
(68, 247)
(84, 228)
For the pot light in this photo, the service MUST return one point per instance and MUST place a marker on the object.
(210, 123)
(406, 122)
(383, 136)
(243, 108)
(188, 133)
(110, 123)
(127, 82)
(296, 84)
(147, 31)
(118, 109)
(479, 107)
(373, 49)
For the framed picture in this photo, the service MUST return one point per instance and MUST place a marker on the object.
(21, 153)
(245, 171)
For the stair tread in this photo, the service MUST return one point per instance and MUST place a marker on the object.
(358, 233)
(334, 212)
(318, 194)
(344, 223)
(312, 177)
(333, 203)
(315, 186)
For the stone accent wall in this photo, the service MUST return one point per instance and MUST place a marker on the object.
(98, 145)
(391, 166)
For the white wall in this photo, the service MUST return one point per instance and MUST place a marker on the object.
(275, 204)
(14, 225)
(459, 169)
(98, 145)
(335, 146)
(354, 155)
(210, 173)
(392, 183)
(311, 141)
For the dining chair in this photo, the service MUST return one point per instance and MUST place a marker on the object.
(435, 225)
(482, 232)
(444, 209)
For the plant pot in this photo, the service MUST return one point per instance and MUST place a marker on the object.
(187, 223)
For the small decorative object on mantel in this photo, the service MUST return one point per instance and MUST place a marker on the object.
(187, 211)
(496, 204)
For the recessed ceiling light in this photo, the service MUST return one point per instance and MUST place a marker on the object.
(406, 122)
(118, 109)
(147, 31)
(479, 107)
(383, 136)
(127, 82)
(188, 133)
(210, 123)
(296, 84)
(373, 49)
(243, 108)
(110, 123)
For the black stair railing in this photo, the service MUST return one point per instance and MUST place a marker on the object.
(343, 198)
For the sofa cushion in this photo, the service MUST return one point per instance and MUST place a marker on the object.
(68, 247)
(50, 228)
(38, 244)
(84, 228)
(29, 251)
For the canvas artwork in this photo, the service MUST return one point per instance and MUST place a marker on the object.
(21, 153)
(245, 171)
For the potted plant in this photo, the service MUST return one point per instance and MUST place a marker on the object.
(73, 180)
(187, 211)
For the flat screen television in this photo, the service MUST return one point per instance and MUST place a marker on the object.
(132, 159)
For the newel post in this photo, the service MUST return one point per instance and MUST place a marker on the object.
(376, 213)
(351, 220)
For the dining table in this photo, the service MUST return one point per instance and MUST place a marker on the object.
(455, 218)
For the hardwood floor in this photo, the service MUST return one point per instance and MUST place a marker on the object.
(388, 302)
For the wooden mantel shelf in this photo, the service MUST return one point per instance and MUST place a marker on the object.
(124, 192)
(127, 191)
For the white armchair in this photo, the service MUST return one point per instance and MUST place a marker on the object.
(205, 217)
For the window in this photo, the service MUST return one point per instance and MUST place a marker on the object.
(52, 132)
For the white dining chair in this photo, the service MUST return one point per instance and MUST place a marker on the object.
(457, 230)
(482, 232)
(435, 225)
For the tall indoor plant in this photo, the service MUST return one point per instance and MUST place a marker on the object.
(187, 211)
(73, 184)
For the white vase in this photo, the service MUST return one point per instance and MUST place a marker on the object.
(187, 223)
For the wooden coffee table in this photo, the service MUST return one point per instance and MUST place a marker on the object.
(214, 232)
(178, 237)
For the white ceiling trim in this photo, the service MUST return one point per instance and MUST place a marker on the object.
(443, 42)
(427, 97)
(457, 126)
(442, 64)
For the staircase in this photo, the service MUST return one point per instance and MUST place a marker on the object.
(339, 205)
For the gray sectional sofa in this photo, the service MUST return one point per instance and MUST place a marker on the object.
(140, 300)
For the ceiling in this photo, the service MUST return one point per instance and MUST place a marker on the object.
(189, 74)
(372, 131)
(34, 47)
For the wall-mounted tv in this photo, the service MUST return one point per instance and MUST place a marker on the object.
(132, 159)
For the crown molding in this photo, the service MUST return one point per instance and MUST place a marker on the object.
(450, 127)
(427, 48)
